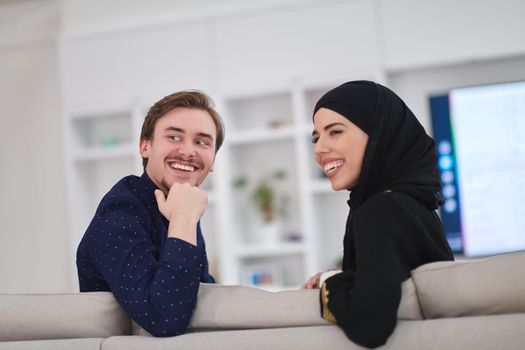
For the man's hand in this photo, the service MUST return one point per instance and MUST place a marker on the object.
(183, 208)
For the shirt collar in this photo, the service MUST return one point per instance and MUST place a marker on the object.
(149, 187)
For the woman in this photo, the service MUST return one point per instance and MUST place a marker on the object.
(369, 142)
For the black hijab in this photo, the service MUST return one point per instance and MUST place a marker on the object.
(399, 156)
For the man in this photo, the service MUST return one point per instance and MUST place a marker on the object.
(144, 243)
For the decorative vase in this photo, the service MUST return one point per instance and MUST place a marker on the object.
(269, 232)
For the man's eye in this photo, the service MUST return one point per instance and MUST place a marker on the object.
(174, 137)
(202, 142)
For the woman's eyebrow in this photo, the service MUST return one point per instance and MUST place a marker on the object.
(327, 127)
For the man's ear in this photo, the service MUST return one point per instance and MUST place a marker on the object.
(144, 148)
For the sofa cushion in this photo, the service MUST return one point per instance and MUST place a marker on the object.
(501, 332)
(55, 344)
(304, 338)
(59, 316)
(409, 308)
(490, 286)
(240, 307)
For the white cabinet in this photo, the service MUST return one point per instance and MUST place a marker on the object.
(261, 143)
(269, 133)
(101, 147)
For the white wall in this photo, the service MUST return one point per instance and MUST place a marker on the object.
(82, 17)
(429, 32)
(33, 237)
(238, 45)
(330, 38)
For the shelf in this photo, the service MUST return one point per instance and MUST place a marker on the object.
(261, 112)
(261, 135)
(269, 250)
(104, 153)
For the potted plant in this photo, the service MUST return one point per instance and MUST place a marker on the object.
(270, 204)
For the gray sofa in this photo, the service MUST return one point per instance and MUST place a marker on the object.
(446, 305)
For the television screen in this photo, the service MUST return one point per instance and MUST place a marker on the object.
(480, 140)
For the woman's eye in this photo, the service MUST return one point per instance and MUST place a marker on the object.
(315, 139)
(335, 132)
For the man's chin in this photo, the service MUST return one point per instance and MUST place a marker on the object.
(192, 181)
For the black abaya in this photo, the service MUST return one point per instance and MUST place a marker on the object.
(392, 227)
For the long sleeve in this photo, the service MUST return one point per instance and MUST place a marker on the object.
(205, 276)
(364, 302)
(154, 278)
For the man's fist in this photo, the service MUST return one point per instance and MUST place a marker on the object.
(183, 208)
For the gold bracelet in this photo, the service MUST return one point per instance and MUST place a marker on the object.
(326, 314)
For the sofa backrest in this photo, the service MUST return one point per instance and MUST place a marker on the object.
(241, 307)
(444, 289)
(490, 286)
(61, 316)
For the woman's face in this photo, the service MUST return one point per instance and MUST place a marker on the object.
(339, 148)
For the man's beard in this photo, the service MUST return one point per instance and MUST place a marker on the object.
(167, 187)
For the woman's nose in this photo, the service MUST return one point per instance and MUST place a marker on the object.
(320, 147)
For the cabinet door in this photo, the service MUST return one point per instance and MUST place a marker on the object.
(153, 61)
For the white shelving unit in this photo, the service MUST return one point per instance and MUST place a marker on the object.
(101, 148)
(270, 131)
(266, 132)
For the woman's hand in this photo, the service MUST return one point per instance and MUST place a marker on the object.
(313, 282)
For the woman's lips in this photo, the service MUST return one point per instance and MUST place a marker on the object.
(331, 167)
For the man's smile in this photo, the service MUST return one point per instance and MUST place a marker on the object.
(179, 166)
(183, 165)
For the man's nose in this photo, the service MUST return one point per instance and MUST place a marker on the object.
(187, 149)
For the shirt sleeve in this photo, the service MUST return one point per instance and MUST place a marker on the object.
(364, 301)
(205, 276)
(157, 289)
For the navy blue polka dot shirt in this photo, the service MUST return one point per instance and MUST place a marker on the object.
(126, 250)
